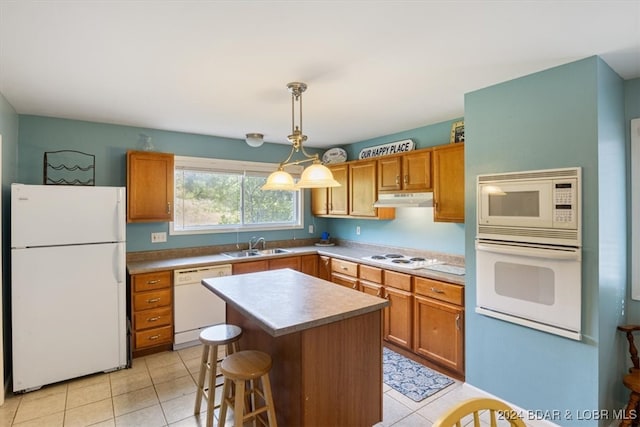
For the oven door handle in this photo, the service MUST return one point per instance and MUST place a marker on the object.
(568, 254)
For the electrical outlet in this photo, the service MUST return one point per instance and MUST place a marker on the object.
(311, 229)
(357, 230)
(158, 237)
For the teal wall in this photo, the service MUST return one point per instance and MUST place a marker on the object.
(412, 227)
(9, 131)
(109, 143)
(555, 118)
(632, 111)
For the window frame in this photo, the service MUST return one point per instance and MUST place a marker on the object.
(240, 167)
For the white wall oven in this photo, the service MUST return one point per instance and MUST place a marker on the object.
(528, 249)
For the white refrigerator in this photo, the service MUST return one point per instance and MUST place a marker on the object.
(68, 282)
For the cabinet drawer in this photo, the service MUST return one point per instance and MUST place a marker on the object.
(152, 318)
(153, 299)
(397, 280)
(344, 280)
(372, 274)
(151, 281)
(153, 337)
(439, 290)
(344, 267)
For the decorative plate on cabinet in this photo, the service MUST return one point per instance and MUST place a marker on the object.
(334, 155)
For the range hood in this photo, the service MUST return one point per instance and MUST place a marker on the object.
(401, 200)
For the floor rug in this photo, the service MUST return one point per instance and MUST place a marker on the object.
(410, 378)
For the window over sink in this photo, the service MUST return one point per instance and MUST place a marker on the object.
(219, 196)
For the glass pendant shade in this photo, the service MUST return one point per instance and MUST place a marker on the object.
(279, 180)
(254, 139)
(317, 176)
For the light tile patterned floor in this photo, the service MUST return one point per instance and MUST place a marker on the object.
(160, 391)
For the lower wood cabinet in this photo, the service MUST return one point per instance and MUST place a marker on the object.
(304, 263)
(324, 267)
(438, 332)
(398, 319)
(309, 264)
(151, 312)
(250, 266)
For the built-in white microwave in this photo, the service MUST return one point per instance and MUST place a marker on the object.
(541, 206)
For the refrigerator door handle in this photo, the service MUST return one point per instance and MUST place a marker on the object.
(117, 264)
(121, 215)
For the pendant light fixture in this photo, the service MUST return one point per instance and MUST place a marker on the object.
(314, 176)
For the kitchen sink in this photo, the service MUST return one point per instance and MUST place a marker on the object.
(255, 253)
(273, 251)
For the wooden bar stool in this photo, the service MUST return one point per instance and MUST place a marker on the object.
(247, 365)
(212, 338)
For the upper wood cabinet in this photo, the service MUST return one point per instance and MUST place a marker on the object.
(355, 197)
(448, 187)
(338, 197)
(405, 172)
(362, 188)
(149, 186)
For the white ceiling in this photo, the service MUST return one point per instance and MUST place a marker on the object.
(221, 67)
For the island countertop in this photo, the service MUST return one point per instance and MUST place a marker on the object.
(286, 301)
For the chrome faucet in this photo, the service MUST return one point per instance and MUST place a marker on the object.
(253, 243)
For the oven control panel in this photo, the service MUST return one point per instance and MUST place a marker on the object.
(565, 199)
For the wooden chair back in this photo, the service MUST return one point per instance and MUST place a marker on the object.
(476, 409)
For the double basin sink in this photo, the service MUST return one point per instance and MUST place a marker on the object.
(255, 253)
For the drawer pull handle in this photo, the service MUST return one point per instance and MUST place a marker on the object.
(458, 322)
(153, 319)
(344, 267)
(406, 179)
(397, 179)
(168, 208)
(153, 282)
(154, 337)
(437, 291)
(152, 300)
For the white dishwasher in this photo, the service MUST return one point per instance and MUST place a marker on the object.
(196, 307)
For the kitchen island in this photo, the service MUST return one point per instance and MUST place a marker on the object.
(325, 341)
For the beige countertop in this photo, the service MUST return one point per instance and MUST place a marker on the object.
(345, 252)
(292, 301)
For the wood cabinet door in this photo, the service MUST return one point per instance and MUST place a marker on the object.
(319, 201)
(416, 171)
(389, 173)
(362, 188)
(339, 196)
(439, 333)
(448, 188)
(292, 262)
(398, 317)
(250, 266)
(324, 267)
(149, 186)
(309, 265)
